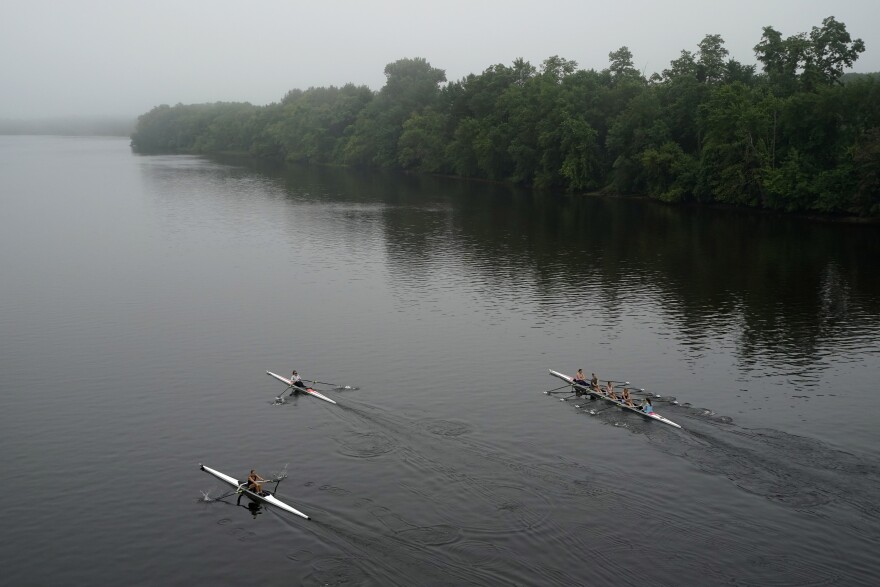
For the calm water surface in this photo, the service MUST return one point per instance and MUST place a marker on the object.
(143, 298)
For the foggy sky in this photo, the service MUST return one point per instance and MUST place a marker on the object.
(122, 57)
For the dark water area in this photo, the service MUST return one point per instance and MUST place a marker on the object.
(143, 298)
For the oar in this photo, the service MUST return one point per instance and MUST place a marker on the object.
(555, 390)
(631, 389)
(224, 496)
(614, 402)
(286, 389)
(337, 386)
(573, 390)
(639, 390)
(642, 390)
(576, 387)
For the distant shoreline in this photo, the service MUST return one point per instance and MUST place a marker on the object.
(121, 126)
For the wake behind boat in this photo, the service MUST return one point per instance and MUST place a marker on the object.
(307, 390)
(596, 394)
(264, 496)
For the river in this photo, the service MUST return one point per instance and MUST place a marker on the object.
(143, 299)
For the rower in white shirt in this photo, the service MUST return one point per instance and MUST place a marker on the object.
(296, 382)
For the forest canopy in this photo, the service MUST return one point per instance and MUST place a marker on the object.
(794, 133)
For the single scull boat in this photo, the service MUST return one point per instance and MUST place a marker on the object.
(594, 393)
(308, 390)
(265, 496)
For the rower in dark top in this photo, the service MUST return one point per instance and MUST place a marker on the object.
(296, 383)
(253, 482)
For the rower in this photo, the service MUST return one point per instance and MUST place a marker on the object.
(579, 382)
(625, 398)
(594, 381)
(647, 407)
(296, 381)
(609, 390)
(253, 481)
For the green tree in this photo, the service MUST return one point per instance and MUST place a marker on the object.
(831, 50)
(315, 123)
(684, 66)
(422, 143)
(190, 128)
(793, 137)
(621, 65)
(670, 173)
(808, 61)
(411, 85)
(579, 148)
(737, 125)
(781, 59)
(866, 164)
(638, 127)
(711, 59)
(461, 151)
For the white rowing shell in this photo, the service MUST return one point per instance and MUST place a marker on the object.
(307, 390)
(652, 415)
(270, 499)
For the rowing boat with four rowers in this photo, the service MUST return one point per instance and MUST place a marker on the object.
(646, 409)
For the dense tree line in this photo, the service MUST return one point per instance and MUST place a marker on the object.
(797, 135)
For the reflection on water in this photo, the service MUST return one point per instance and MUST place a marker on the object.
(798, 294)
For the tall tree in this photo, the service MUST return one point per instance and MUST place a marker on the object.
(411, 85)
(621, 65)
(685, 65)
(711, 59)
(808, 61)
(831, 50)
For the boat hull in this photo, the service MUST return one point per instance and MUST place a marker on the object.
(305, 389)
(592, 393)
(253, 496)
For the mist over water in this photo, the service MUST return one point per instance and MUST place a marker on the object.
(143, 299)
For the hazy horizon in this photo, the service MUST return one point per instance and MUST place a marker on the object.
(88, 58)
